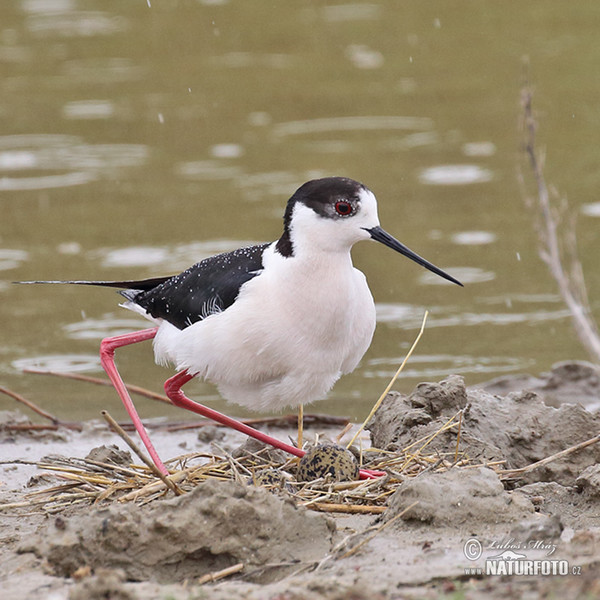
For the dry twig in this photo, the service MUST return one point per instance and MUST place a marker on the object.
(210, 577)
(390, 384)
(549, 459)
(557, 239)
(119, 430)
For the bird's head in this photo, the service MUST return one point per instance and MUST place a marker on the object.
(331, 215)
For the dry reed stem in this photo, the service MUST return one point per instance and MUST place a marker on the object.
(36, 409)
(134, 389)
(216, 575)
(360, 509)
(119, 430)
(390, 384)
(549, 459)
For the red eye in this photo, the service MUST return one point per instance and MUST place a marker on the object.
(343, 208)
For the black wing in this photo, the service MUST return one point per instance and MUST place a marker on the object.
(209, 286)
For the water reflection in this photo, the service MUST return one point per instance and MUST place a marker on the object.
(61, 363)
(409, 317)
(276, 183)
(47, 6)
(206, 170)
(465, 275)
(11, 259)
(238, 60)
(51, 18)
(351, 12)
(412, 140)
(364, 57)
(89, 109)
(106, 70)
(455, 175)
(81, 162)
(479, 149)
(45, 182)
(108, 326)
(473, 238)
(434, 366)
(592, 209)
(358, 123)
(227, 150)
(162, 258)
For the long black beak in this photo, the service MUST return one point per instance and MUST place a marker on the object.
(385, 238)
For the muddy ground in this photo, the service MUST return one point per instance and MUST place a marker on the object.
(442, 535)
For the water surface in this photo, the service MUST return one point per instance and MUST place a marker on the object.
(140, 137)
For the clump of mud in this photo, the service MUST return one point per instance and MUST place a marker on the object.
(213, 527)
(567, 382)
(458, 497)
(518, 428)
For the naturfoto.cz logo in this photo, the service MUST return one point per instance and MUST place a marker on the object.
(512, 562)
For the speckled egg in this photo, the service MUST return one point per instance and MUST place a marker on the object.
(269, 478)
(328, 459)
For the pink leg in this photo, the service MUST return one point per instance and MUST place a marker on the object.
(107, 358)
(175, 394)
(173, 389)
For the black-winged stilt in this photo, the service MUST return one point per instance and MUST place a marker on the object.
(273, 325)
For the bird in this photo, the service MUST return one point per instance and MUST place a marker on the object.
(272, 325)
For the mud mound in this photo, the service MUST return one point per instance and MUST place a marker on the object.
(518, 428)
(215, 526)
(459, 497)
(569, 381)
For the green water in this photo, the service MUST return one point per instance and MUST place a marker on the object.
(139, 137)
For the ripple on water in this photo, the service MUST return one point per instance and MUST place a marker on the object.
(11, 259)
(33, 155)
(351, 12)
(364, 57)
(133, 256)
(359, 123)
(95, 329)
(47, 6)
(473, 238)
(75, 23)
(163, 258)
(60, 363)
(278, 183)
(408, 317)
(464, 274)
(106, 71)
(88, 109)
(252, 59)
(433, 366)
(227, 150)
(479, 149)
(591, 209)
(455, 175)
(207, 170)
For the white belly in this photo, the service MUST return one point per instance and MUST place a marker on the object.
(292, 332)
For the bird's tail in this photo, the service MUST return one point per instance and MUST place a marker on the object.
(142, 284)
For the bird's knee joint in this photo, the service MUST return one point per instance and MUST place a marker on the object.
(107, 349)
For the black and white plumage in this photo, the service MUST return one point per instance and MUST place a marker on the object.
(276, 324)
(206, 288)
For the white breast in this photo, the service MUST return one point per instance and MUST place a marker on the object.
(291, 333)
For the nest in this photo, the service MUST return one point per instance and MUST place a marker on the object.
(85, 481)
